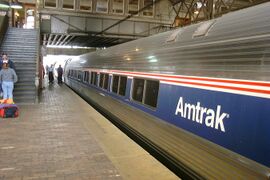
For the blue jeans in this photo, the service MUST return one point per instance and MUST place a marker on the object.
(7, 87)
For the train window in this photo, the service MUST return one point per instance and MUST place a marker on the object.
(86, 76)
(115, 83)
(145, 91)
(101, 77)
(71, 73)
(138, 88)
(151, 93)
(94, 78)
(106, 81)
(204, 28)
(80, 75)
(75, 74)
(119, 84)
(123, 83)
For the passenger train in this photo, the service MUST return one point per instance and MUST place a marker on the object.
(200, 93)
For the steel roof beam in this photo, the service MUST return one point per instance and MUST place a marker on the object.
(49, 40)
(54, 39)
(68, 41)
(67, 36)
(59, 39)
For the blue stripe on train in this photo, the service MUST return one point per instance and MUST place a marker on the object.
(246, 126)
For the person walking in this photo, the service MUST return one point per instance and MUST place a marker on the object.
(7, 77)
(59, 74)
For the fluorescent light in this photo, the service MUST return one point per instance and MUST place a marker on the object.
(16, 5)
(153, 60)
(4, 4)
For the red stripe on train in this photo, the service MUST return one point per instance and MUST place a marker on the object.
(265, 84)
(221, 87)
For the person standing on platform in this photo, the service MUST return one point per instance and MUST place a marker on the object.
(4, 57)
(51, 77)
(47, 70)
(8, 77)
(60, 74)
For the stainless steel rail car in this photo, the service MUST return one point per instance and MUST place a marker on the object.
(201, 93)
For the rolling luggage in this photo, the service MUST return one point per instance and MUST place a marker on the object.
(9, 110)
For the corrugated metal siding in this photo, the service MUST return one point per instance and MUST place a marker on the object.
(233, 48)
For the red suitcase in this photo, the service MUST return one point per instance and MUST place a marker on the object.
(9, 110)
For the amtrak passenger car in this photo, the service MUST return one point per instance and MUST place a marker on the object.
(211, 79)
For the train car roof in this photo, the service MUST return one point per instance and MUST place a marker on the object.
(238, 25)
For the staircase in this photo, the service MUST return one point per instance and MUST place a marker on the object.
(21, 45)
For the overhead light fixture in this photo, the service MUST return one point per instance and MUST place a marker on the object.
(4, 4)
(196, 12)
(16, 5)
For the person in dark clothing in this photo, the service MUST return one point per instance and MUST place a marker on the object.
(60, 74)
(51, 76)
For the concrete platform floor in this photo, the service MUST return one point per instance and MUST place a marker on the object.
(64, 138)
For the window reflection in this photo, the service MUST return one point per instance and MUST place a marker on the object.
(50, 3)
(68, 4)
(118, 6)
(86, 5)
(133, 6)
(148, 11)
(102, 6)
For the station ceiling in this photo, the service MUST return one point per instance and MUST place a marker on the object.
(67, 30)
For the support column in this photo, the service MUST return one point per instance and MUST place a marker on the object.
(10, 15)
(210, 6)
(39, 72)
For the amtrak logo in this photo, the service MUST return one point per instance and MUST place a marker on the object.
(203, 115)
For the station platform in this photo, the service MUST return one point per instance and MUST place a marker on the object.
(62, 137)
